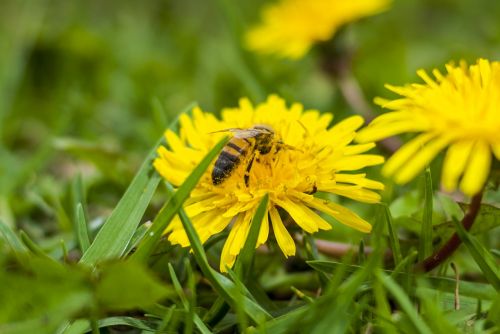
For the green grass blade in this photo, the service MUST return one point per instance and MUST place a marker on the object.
(244, 261)
(469, 289)
(393, 237)
(12, 239)
(115, 235)
(312, 254)
(224, 286)
(138, 236)
(383, 309)
(177, 285)
(81, 229)
(188, 325)
(78, 197)
(32, 246)
(403, 301)
(83, 326)
(483, 258)
(425, 249)
(185, 302)
(286, 322)
(218, 310)
(167, 213)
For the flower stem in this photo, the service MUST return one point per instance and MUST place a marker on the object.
(451, 245)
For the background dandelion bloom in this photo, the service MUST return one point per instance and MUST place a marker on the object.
(460, 109)
(321, 159)
(291, 27)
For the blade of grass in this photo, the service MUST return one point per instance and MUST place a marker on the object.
(393, 237)
(425, 248)
(170, 209)
(483, 258)
(165, 321)
(244, 261)
(190, 315)
(346, 293)
(403, 301)
(83, 326)
(406, 263)
(112, 240)
(138, 236)
(312, 254)
(12, 239)
(32, 246)
(383, 309)
(184, 300)
(78, 197)
(286, 322)
(81, 229)
(224, 286)
(470, 289)
(218, 310)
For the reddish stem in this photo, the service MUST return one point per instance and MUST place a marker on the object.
(451, 245)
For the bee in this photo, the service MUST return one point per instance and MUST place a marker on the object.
(244, 144)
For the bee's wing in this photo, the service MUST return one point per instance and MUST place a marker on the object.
(234, 130)
(240, 133)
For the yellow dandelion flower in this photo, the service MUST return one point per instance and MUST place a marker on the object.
(459, 110)
(291, 27)
(303, 156)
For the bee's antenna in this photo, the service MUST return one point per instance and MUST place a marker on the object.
(290, 147)
(304, 127)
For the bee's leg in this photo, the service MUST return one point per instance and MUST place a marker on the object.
(247, 171)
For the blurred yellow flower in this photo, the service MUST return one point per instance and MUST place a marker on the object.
(306, 156)
(460, 109)
(291, 27)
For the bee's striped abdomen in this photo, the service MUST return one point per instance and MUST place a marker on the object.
(228, 159)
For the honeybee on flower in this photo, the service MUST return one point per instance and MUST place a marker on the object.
(286, 152)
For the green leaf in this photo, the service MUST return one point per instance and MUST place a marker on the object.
(425, 249)
(244, 261)
(403, 301)
(128, 285)
(115, 235)
(170, 209)
(483, 258)
(487, 219)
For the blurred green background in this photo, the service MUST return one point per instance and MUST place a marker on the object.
(88, 86)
